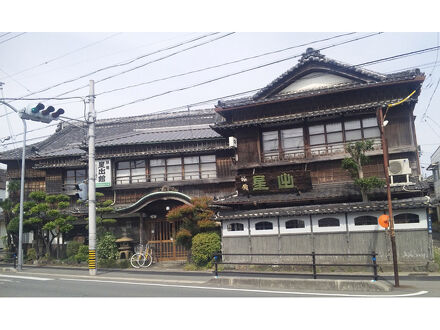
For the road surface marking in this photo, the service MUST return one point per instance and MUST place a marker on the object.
(28, 277)
(121, 278)
(252, 290)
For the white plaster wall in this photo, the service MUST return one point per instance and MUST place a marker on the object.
(284, 230)
(315, 80)
(340, 216)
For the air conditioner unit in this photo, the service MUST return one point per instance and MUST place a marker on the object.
(232, 142)
(399, 171)
(399, 167)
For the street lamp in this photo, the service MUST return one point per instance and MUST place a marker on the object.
(382, 125)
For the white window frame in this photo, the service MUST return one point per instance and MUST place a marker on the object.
(273, 231)
(226, 233)
(284, 230)
(423, 222)
(340, 216)
(353, 227)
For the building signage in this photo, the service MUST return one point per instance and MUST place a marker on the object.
(277, 181)
(103, 172)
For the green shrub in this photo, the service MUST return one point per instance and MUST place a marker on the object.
(72, 248)
(183, 238)
(31, 254)
(82, 254)
(204, 246)
(107, 248)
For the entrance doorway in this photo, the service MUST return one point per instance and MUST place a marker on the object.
(160, 233)
(161, 237)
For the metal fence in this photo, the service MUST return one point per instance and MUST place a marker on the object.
(312, 264)
(8, 258)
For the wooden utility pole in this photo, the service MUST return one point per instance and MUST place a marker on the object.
(380, 120)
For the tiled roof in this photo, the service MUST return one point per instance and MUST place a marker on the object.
(308, 114)
(366, 78)
(324, 209)
(69, 140)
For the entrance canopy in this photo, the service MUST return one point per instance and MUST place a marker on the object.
(155, 196)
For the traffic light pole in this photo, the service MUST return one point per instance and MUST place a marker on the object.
(92, 188)
(23, 168)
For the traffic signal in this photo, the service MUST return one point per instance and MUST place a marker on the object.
(39, 113)
(82, 193)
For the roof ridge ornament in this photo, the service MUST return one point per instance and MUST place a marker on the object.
(311, 54)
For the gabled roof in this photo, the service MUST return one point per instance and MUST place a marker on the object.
(312, 61)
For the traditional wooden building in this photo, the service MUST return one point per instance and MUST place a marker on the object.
(293, 196)
(272, 163)
(145, 164)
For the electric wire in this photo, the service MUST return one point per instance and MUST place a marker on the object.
(116, 65)
(16, 36)
(160, 111)
(147, 63)
(370, 62)
(4, 34)
(104, 56)
(224, 64)
(63, 55)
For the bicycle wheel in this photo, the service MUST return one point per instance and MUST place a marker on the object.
(137, 260)
(147, 261)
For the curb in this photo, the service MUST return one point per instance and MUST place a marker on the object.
(305, 284)
(8, 270)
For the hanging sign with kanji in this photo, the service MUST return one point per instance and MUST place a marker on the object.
(277, 181)
(103, 173)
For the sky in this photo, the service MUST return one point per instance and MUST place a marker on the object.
(77, 56)
(72, 39)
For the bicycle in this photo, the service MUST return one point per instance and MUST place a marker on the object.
(143, 258)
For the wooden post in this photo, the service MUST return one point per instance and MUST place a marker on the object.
(141, 228)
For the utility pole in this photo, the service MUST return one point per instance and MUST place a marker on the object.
(390, 205)
(92, 188)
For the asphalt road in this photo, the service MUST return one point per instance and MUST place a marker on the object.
(40, 282)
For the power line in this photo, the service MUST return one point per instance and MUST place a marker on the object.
(16, 36)
(163, 111)
(224, 64)
(228, 75)
(117, 65)
(103, 56)
(136, 101)
(64, 55)
(4, 34)
(150, 62)
(19, 83)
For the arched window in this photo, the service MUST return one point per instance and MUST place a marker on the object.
(235, 227)
(264, 225)
(294, 224)
(406, 218)
(328, 222)
(365, 220)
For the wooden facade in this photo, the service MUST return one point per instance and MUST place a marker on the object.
(290, 139)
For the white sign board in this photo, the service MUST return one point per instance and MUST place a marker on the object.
(103, 168)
